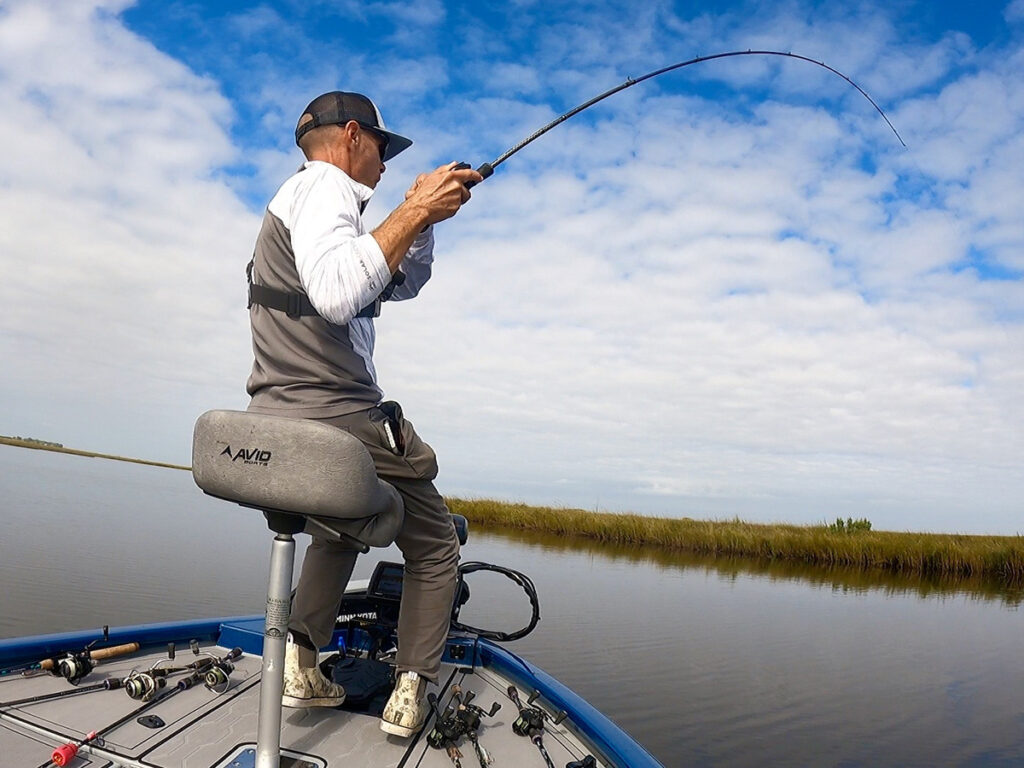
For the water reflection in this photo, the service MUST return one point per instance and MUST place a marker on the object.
(706, 661)
(842, 579)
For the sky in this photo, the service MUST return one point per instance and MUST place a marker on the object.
(728, 291)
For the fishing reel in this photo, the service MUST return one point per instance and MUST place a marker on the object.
(217, 672)
(448, 728)
(75, 665)
(142, 686)
(470, 714)
(218, 675)
(213, 671)
(531, 719)
(463, 719)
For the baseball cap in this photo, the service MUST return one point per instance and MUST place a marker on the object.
(338, 107)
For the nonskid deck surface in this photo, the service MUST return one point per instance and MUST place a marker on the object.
(201, 729)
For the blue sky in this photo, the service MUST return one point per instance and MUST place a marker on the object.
(727, 291)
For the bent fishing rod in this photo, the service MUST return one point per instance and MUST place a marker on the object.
(487, 169)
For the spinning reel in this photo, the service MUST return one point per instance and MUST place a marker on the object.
(75, 665)
(214, 672)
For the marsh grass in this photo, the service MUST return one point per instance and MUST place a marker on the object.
(942, 555)
(845, 544)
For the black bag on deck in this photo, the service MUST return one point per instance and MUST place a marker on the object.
(367, 683)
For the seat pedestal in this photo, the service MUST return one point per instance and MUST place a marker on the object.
(275, 638)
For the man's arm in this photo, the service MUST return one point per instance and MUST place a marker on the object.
(417, 266)
(433, 197)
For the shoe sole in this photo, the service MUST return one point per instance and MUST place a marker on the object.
(398, 730)
(325, 701)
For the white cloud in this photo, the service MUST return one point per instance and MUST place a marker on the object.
(756, 306)
(122, 252)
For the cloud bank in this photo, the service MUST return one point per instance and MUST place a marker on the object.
(729, 294)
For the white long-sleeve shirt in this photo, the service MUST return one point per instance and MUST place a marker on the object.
(315, 222)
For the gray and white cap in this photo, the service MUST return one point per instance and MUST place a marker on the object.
(338, 107)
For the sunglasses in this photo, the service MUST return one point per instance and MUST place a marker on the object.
(382, 140)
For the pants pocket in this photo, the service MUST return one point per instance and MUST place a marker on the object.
(404, 453)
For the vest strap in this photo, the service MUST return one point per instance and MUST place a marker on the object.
(297, 305)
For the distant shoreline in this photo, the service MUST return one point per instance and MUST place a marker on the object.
(941, 555)
(39, 445)
(1000, 558)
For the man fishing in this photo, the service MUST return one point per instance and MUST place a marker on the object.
(317, 280)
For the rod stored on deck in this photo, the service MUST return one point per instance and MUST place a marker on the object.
(459, 719)
(72, 665)
(65, 752)
(531, 722)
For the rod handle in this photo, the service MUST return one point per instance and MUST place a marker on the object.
(114, 651)
(484, 170)
(99, 655)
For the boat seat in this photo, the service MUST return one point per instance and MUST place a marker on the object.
(304, 475)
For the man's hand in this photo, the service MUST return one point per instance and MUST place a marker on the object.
(433, 197)
(440, 193)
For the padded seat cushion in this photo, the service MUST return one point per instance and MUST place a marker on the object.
(296, 466)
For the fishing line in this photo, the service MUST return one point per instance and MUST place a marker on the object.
(487, 169)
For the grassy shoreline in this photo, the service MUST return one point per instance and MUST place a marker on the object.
(1000, 558)
(934, 554)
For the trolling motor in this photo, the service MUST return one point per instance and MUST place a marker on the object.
(464, 719)
(530, 721)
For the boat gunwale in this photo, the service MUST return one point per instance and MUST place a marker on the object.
(613, 743)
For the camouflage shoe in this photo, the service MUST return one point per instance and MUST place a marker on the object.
(307, 686)
(407, 709)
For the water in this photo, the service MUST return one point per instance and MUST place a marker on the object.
(706, 662)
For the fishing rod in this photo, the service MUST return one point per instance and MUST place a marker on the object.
(487, 169)
(63, 754)
(215, 672)
(143, 686)
(71, 665)
(107, 685)
(531, 722)
(464, 719)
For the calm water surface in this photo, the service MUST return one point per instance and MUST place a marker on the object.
(706, 662)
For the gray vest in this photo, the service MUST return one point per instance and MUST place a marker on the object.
(304, 366)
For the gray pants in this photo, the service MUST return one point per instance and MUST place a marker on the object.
(427, 540)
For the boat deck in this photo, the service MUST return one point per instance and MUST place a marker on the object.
(197, 728)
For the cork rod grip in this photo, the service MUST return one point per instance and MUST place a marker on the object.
(98, 655)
